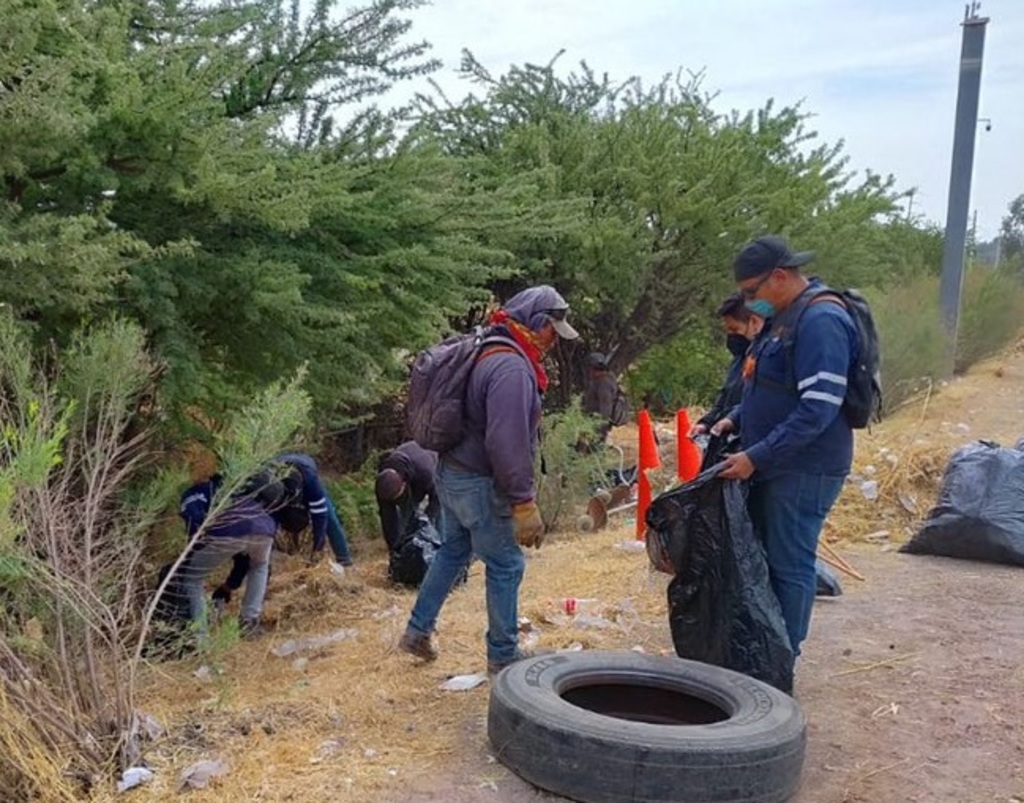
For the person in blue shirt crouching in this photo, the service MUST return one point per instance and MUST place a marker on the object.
(797, 446)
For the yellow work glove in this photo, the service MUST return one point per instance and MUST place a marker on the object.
(528, 523)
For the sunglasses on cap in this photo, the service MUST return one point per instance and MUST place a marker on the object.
(557, 314)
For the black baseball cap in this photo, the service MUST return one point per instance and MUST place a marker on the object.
(766, 254)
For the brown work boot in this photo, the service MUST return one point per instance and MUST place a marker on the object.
(418, 644)
(250, 628)
(494, 667)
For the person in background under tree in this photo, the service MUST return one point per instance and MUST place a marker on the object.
(602, 396)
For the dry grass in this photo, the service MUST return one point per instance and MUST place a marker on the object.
(358, 718)
(359, 721)
(907, 454)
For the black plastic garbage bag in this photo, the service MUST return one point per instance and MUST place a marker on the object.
(722, 609)
(826, 581)
(717, 448)
(980, 511)
(409, 562)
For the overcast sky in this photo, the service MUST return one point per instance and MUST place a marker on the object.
(881, 75)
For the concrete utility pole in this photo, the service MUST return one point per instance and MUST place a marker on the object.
(971, 54)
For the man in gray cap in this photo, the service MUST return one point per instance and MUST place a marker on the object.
(797, 445)
(486, 482)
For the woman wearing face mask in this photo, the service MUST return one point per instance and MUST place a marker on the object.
(741, 327)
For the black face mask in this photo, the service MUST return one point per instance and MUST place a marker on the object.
(737, 345)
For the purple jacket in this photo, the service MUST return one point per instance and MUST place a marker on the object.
(502, 416)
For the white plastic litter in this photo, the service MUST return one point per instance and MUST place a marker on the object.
(463, 682)
(387, 613)
(590, 621)
(631, 546)
(198, 775)
(326, 750)
(870, 490)
(293, 646)
(134, 776)
(909, 503)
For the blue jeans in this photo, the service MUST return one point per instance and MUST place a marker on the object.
(336, 534)
(788, 513)
(476, 520)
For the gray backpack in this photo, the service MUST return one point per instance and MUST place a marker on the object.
(435, 411)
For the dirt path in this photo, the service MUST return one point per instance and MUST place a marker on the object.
(912, 682)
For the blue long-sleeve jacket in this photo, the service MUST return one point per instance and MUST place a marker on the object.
(242, 517)
(314, 495)
(790, 417)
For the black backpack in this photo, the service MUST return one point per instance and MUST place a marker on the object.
(863, 402)
(435, 411)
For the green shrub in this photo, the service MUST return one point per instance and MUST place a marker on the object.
(992, 310)
(687, 370)
(356, 503)
(566, 474)
(912, 339)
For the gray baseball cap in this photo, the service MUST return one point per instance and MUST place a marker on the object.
(535, 306)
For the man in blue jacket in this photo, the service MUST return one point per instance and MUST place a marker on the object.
(486, 482)
(309, 504)
(243, 527)
(797, 445)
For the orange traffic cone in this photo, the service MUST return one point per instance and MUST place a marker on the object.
(648, 459)
(687, 454)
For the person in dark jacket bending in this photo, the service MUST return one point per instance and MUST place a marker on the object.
(405, 477)
(486, 481)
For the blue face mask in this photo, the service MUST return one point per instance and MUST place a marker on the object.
(761, 308)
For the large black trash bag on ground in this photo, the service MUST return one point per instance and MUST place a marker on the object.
(722, 609)
(980, 511)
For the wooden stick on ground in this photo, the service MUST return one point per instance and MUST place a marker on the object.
(837, 566)
(841, 560)
(876, 665)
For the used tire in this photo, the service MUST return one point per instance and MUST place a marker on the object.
(603, 727)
